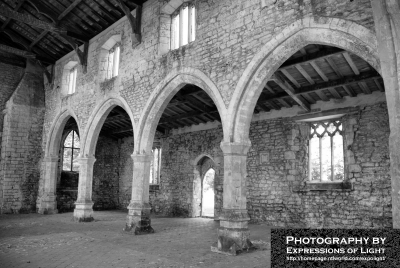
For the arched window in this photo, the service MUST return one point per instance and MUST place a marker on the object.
(71, 152)
(183, 26)
(113, 61)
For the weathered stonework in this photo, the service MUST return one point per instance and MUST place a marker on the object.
(21, 144)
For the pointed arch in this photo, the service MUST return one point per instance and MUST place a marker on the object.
(53, 142)
(162, 95)
(309, 30)
(96, 121)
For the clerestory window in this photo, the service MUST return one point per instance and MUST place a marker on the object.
(72, 80)
(183, 26)
(71, 149)
(113, 62)
(326, 161)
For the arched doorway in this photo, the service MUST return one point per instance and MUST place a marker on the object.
(208, 194)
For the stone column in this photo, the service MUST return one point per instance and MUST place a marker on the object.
(138, 219)
(385, 14)
(48, 202)
(84, 206)
(233, 233)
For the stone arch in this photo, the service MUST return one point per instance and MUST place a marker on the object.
(46, 203)
(96, 121)
(309, 30)
(162, 95)
(55, 134)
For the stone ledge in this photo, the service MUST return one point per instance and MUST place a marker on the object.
(154, 187)
(324, 186)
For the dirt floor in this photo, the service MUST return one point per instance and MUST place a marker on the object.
(34, 240)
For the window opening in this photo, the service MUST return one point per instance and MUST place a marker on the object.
(183, 27)
(72, 80)
(326, 151)
(113, 62)
(71, 152)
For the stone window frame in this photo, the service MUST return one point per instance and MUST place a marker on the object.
(168, 11)
(338, 124)
(347, 130)
(70, 66)
(74, 132)
(112, 43)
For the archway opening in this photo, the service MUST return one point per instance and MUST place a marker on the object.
(68, 168)
(189, 126)
(315, 118)
(208, 194)
(112, 171)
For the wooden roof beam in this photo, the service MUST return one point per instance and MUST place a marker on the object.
(173, 119)
(18, 52)
(17, 7)
(279, 79)
(351, 63)
(294, 81)
(134, 22)
(305, 74)
(68, 9)
(334, 67)
(30, 20)
(319, 71)
(322, 54)
(349, 91)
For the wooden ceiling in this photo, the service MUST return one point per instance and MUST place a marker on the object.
(46, 28)
(315, 73)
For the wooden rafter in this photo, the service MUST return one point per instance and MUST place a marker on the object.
(351, 63)
(68, 9)
(305, 74)
(17, 7)
(134, 22)
(334, 67)
(280, 80)
(30, 20)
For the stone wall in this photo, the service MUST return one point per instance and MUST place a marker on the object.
(179, 153)
(21, 143)
(276, 183)
(273, 186)
(106, 174)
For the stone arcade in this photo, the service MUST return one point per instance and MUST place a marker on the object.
(166, 90)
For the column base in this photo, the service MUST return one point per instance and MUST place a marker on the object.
(138, 219)
(83, 212)
(47, 205)
(233, 233)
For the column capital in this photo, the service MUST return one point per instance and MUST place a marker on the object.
(235, 148)
(87, 160)
(141, 157)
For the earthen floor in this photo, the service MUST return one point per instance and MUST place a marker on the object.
(33, 240)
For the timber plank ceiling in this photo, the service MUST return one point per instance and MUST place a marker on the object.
(314, 73)
(82, 20)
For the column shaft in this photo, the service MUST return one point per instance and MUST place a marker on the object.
(233, 233)
(385, 31)
(84, 206)
(138, 219)
(48, 202)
